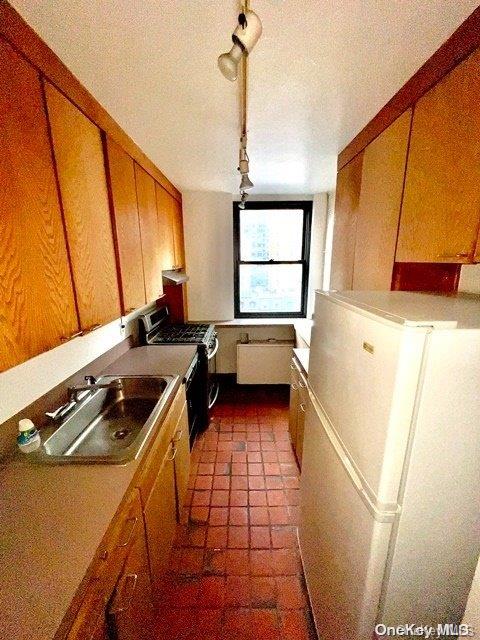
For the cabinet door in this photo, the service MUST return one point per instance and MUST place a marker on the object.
(345, 222)
(131, 612)
(81, 173)
(150, 234)
(161, 519)
(383, 173)
(302, 408)
(179, 246)
(181, 441)
(126, 224)
(165, 226)
(293, 406)
(37, 306)
(441, 206)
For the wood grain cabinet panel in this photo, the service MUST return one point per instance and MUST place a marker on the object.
(441, 206)
(178, 239)
(83, 187)
(345, 223)
(160, 515)
(37, 306)
(130, 612)
(121, 173)
(383, 172)
(150, 234)
(165, 224)
(182, 459)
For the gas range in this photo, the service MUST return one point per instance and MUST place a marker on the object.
(200, 382)
(155, 328)
(190, 333)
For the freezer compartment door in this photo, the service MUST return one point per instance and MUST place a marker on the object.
(343, 544)
(364, 372)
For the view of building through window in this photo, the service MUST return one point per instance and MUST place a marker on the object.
(271, 268)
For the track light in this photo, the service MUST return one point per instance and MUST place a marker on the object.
(245, 37)
(246, 183)
(243, 199)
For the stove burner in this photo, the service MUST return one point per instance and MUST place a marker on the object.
(178, 333)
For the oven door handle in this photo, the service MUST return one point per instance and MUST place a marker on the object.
(215, 349)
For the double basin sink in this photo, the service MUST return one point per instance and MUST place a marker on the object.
(110, 424)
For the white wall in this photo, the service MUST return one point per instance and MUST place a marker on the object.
(470, 278)
(208, 225)
(317, 248)
(25, 383)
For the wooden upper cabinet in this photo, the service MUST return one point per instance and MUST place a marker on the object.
(441, 206)
(345, 222)
(165, 226)
(37, 307)
(150, 234)
(178, 240)
(383, 173)
(81, 173)
(123, 192)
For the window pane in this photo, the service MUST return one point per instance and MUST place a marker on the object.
(271, 234)
(272, 288)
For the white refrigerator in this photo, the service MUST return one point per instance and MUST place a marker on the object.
(390, 487)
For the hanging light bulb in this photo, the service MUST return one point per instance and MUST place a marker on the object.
(228, 63)
(243, 199)
(246, 183)
(245, 36)
(244, 166)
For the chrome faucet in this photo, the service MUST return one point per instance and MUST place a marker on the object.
(78, 392)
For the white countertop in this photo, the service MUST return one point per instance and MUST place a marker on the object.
(53, 518)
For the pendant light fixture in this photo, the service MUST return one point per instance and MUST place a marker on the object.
(245, 36)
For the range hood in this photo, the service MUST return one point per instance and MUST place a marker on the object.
(174, 276)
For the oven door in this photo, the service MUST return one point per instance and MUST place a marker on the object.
(213, 385)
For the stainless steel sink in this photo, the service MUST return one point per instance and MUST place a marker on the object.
(110, 425)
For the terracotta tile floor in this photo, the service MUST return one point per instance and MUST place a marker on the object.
(235, 571)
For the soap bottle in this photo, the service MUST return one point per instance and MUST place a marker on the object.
(28, 438)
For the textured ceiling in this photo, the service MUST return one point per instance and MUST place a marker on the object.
(320, 72)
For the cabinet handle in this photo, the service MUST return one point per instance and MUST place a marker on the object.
(92, 328)
(302, 407)
(178, 436)
(127, 589)
(294, 386)
(71, 337)
(133, 522)
(174, 453)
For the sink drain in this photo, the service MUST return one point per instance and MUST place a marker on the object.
(121, 434)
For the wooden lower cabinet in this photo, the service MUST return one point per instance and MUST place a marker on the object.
(301, 410)
(297, 409)
(130, 614)
(160, 514)
(293, 406)
(126, 577)
(181, 441)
